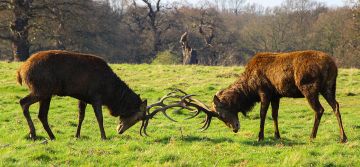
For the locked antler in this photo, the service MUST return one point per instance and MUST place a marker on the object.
(200, 107)
(163, 108)
(187, 101)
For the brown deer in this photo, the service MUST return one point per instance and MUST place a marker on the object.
(85, 77)
(271, 76)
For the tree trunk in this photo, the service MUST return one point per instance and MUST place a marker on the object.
(21, 49)
(189, 54)
(157, 41)
(19, 28)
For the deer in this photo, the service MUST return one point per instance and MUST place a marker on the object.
(270, 76)
(85, 77)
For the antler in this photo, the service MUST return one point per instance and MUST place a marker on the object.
(160, 103)
(163, 109)
(186, 102)
(200, 106)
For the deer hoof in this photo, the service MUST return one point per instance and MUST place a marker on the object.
(260, 139)
(344, 140)
(32, 136)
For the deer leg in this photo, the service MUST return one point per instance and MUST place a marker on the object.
(25, 103)
(319, 110)
(335, 106)
(264, 107)
(82, 107)
(43, 116)
(98, 113)
(275, 110)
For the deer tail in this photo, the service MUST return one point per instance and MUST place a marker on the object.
(19, 79)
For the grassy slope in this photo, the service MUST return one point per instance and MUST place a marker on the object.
(180, 144)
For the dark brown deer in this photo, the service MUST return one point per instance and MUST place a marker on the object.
(271, 76)
(85, 77)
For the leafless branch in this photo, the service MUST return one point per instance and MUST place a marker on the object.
(9, 38)
(158, 6)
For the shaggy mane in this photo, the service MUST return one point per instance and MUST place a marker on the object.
(239, 97)
(126, 101)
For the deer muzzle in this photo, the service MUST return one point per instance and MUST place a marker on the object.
(122, 127)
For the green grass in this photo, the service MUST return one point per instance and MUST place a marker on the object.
(179, 144)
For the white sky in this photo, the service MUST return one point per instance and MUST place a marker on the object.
(272, 3)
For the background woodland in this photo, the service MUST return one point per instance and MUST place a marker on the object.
(223, 32)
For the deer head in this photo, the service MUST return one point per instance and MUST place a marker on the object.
(128, 121)
(230, 118)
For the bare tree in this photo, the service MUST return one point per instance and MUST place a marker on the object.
(153, 15)
(29, 17)
(189, 54)
(19, 27)
(235, 6)
(222, 32)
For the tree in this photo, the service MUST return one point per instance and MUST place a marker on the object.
(62, 24)
(26, 16)
(154, 20)
(189, 54)
(19, 27)
(235, 6)
(223, 32)
(153, 15)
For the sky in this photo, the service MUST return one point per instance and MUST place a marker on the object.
(272, 3)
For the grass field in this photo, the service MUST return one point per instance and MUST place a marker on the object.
(179, 144)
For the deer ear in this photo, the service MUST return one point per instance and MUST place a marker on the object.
(219, 92)
(217, 101)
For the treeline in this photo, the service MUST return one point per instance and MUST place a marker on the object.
(222, 32)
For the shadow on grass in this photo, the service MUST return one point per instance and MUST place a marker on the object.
(82, 137)
(112, 137)
(356, 126)
(271, 141)
(166, 140)
(87, 138)
(38, 138)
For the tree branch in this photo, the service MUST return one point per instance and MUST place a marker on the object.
(158, 6)
(8, 38)
(5, 1)
(4, 5)
(151, 10)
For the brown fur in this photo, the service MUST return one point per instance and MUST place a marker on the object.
(82, 76)
(271, 76)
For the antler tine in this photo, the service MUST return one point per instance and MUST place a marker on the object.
(164, 107)
(186, 102)
(143, 127)
(192, 99)
(200, 106)
(179, 90)
(197, 112)
(161, 101)
(181, 103)
(207, 123)
(209, 115)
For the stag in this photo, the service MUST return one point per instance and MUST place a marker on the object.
(82, 76)
(271, 76)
